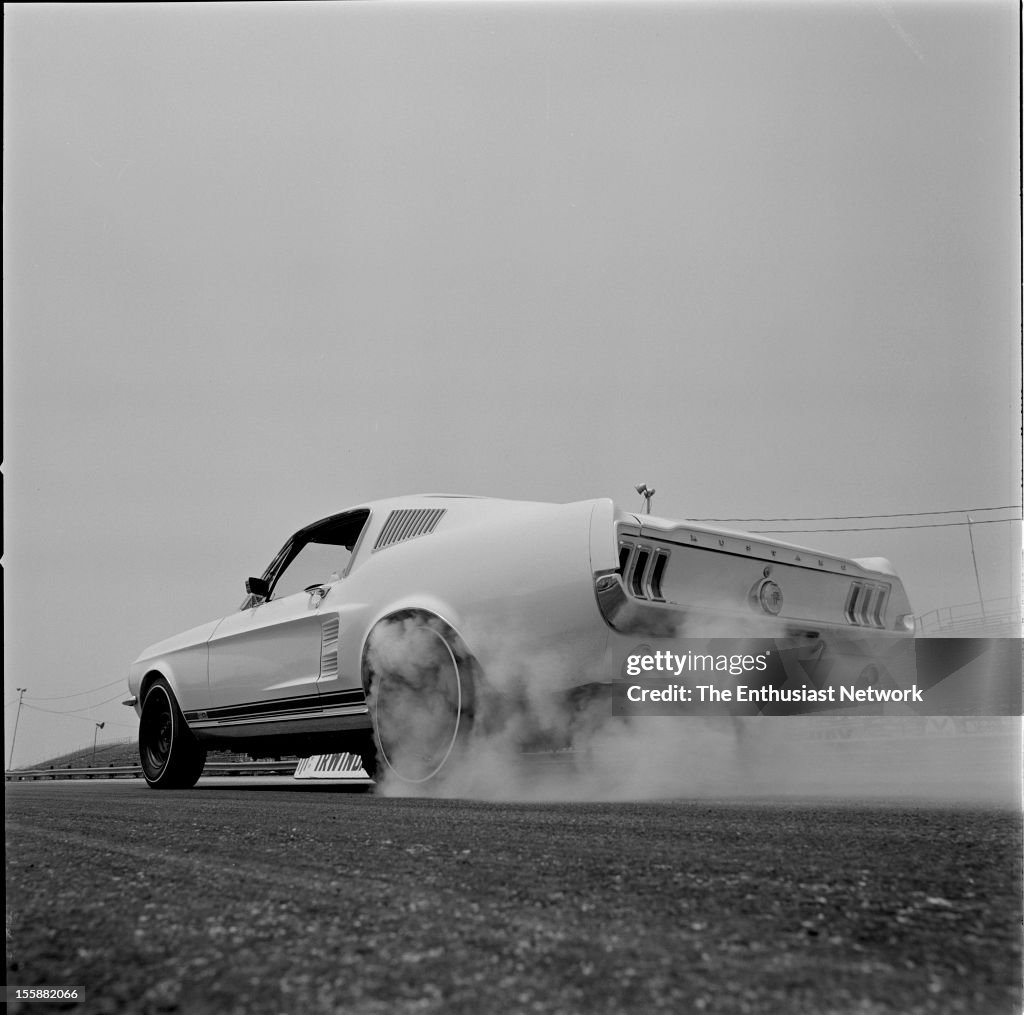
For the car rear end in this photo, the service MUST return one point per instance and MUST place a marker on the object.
(677, 585)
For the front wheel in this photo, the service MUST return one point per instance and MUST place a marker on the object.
(171, 756)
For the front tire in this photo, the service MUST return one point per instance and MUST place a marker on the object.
(171, 756)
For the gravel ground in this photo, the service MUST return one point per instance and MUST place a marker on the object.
(232, 898)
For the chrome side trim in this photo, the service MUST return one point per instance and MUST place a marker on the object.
(288, 727)
(328, 713)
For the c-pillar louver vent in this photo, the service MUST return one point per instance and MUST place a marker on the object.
(407, 523)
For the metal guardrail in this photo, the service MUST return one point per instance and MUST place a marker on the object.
(71, 773)
(135, 771)
(991, 615)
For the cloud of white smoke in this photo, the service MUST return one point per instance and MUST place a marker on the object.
(520, 729)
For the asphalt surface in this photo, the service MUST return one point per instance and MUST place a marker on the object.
(267, 898)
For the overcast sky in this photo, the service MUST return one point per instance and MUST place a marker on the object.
(266, 262)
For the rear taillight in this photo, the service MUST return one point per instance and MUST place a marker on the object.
(865, 604)
(643, 569)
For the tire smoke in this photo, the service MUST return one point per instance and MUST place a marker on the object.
(528, 728)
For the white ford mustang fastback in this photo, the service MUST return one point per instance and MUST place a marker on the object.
(414, 619)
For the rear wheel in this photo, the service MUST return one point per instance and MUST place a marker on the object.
(421, 692)
(171, 756)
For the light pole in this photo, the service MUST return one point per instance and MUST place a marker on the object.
(17, 716)
(95, 734)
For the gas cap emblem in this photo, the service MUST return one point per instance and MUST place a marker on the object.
(769, 595)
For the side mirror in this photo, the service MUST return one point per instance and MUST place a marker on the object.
(257, 587)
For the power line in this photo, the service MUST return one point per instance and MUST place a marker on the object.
(89, 708)
(844, 518)
(72, 711)
(50, 711)
(889, 528)
(78, 694)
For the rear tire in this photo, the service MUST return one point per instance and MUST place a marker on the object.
(421, 684)
(171, 756)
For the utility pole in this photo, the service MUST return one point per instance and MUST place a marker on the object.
(95, 734)
(14, 735)
(974, 560)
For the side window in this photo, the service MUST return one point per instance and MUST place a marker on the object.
(315, 564)
(325, 553)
